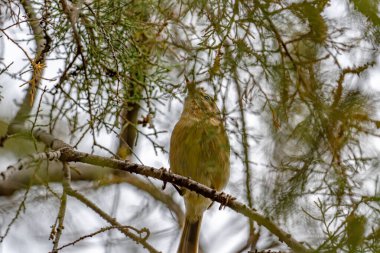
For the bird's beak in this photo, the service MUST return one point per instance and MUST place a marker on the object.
(190, 85)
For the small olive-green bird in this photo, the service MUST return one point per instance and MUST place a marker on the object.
(199, 149)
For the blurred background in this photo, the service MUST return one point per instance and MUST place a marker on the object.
(297, 83)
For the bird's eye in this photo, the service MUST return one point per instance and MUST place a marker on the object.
(207, 97)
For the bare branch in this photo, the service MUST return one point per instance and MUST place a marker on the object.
(67, 154)
(125, 230)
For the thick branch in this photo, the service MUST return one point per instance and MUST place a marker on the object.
(68, 154)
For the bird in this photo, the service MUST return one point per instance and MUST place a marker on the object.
(199, 150)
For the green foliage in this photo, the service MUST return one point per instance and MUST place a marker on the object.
(368, 8)
(111, 53)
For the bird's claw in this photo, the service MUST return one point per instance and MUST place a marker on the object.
(226, 200)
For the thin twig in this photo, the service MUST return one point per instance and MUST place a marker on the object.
(126, 231)
(57, 231)
(143, 230)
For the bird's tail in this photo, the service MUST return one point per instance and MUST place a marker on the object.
(190, 236)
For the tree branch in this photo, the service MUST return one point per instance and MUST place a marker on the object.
(125, 230)
(42, 41)
(66, 153)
